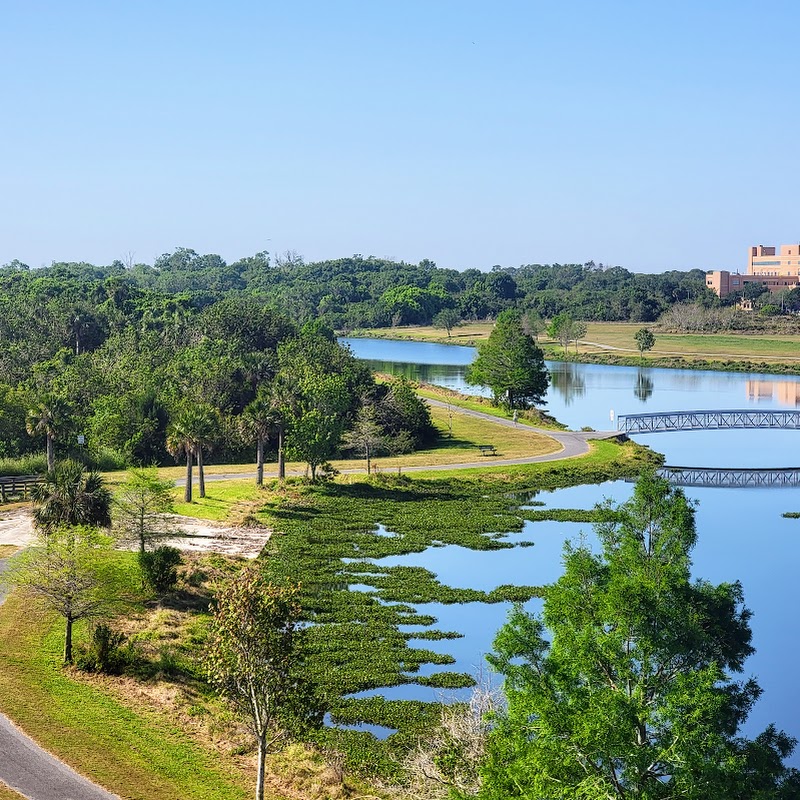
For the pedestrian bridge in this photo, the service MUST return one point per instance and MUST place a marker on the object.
(667, 421)
(731, 477)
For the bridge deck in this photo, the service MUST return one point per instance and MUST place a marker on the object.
(715, 419)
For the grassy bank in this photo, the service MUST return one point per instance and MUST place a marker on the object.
(132, 750)
(7, 793)
(126, 735)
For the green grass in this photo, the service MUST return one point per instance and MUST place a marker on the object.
(534, 417)
(137, 753)
(9, 794)
(469, 334)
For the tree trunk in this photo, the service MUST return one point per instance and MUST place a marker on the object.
(187, 492)
(68, 642)
(262, 753)
(200, 473)
(281, 461)
(260, 462)
(313, 473)
(368, 461)
(51, 455)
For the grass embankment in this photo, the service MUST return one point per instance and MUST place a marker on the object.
(7, 550)
(468, 334)
(121, 737)
(532, 417)
(131, 749)
(462, 447)
(7, 793)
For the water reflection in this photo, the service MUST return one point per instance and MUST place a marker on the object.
(568, 381)
(784, 393)
(644, 386)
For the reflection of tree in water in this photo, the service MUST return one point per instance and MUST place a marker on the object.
(568, 381)
(440, 374)
(644, 386)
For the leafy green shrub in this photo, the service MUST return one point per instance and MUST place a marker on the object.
(160, 568)
(106, 459)
(23, 465)
(105, 652)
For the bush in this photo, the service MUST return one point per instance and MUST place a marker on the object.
(105, 459)
(160, 568)
(104, 653)
(23, 465)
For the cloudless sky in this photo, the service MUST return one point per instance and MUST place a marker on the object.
(655, 134)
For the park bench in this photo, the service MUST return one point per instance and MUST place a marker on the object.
(487, 449)
(17, 486)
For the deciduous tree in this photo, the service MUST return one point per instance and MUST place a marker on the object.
(63, 574)
(366, 436)
(140, 507)
(255, 659)
(645, 340)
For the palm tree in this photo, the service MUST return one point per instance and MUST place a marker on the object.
(205, 423)
(259, 420)
(194, 430)
(47, 417)
(180, 441)
(71, 496)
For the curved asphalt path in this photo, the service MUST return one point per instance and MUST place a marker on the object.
(32, 771)
(573, 443)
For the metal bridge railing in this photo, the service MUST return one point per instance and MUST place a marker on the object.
(663, 422)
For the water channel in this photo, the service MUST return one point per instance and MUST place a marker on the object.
(742, 535)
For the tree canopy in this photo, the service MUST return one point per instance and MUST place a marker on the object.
(511, 364)
(623, 687)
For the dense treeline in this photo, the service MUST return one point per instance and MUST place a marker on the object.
(116, 353)
(356, 292)
(140, 373)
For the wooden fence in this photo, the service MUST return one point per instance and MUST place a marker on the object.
(17, 487)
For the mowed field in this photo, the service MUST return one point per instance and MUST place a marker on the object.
(617, 337)
(611, 336)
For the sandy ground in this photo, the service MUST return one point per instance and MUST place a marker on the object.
(202, 536)
(197, 535)
(16, 526)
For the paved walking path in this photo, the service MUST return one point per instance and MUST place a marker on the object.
(573, 443)
(36, 774)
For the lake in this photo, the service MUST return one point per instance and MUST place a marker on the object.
(742, 535)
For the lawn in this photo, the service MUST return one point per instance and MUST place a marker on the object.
(715, 346)
(9, 794)
(462, 447)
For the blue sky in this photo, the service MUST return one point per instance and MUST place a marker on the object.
(654, 135)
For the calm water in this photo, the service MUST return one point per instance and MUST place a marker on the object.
(742, 534)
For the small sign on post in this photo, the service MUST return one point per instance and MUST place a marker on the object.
(81, 439)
